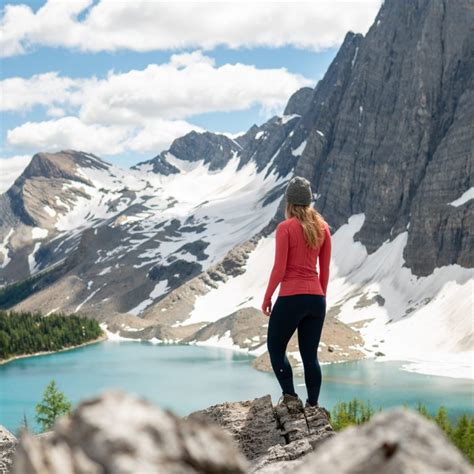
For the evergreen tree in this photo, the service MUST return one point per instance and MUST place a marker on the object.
(53, 405)
(442, 421)
(422, 410)
(463, 436)
(27, 333)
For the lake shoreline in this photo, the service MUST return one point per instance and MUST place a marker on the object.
(409, 362)
(101, 338)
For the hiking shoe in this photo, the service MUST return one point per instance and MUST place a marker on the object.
(324, 410)
(292, 402)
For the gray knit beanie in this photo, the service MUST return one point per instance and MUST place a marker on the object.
(298, 191)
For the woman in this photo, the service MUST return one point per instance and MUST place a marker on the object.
(301, 303)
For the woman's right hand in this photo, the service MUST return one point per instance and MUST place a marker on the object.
(267, 308)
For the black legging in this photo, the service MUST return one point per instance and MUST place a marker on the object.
(305, 312)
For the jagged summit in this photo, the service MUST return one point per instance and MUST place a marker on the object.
(389, 121)
(63, 164)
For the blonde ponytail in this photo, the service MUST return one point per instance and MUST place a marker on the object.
(311, 220)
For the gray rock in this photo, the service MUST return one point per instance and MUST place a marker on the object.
(8, 444)
(270, 435)
(216, 149)
(398, 441)
(252, 423)
(299, 102)
(389, 132)
(246, 327)
(117, 432)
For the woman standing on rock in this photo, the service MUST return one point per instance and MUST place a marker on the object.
(301, 303)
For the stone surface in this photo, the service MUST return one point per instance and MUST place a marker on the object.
(398, 441)
(389, 132)
(8, 444)
(267, 434)
(117, 432)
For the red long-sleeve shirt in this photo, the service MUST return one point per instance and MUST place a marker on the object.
(295, 263)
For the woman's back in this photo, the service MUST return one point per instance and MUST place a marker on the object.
(295, 262)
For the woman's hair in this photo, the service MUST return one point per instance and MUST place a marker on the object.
(311, 220)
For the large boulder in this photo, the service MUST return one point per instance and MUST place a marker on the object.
(398, 441)
(268, 434)
(117, 432)
(8, 444)
(120, 433)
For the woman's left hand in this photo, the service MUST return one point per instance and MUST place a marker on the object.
(267, 308)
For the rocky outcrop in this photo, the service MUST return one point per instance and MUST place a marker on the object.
(398, 441)
(299, 102)
(117, 432)
(268, 434)
(247, 329)
(215, 149)
(8, 444)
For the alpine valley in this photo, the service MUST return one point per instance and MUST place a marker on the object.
(180, 248)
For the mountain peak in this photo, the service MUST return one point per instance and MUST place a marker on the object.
(62, 164)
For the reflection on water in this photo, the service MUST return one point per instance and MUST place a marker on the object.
(187, 378)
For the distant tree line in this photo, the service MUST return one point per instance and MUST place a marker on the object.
(12, 294)
(27, 333)
(460, 433)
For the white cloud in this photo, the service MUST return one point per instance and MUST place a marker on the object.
(143, 25)
(159, 134)
(140, 110)
(69, 132)
(19, 93)
(72, 133)
(178, 90)
(55, 112)
(10, 169)
(189, 84)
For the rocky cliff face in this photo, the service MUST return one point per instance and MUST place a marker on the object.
(390, 132)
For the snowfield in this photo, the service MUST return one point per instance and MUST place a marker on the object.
(425, 321)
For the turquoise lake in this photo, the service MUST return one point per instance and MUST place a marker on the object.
(188, 378)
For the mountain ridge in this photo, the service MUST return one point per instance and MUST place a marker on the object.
(384, 139)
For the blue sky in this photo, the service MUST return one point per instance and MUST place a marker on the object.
(123, 79)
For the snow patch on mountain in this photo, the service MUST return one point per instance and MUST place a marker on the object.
(160, 289)
(298, 151)
(4, 250)
(423, 319)
(31, 258)
(246, 289)
(406, 317)
(38, 233)
(286, 118)
(465, 197)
